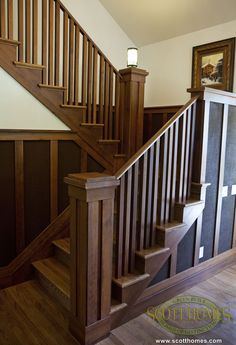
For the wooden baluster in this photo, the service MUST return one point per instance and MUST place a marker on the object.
(187, 151)
(10, 19)
(134, 216)
(110, 111)
(143, 202)
(3, 18)
(162, 202)
(120, 228)
(169, 175)
(44, 38)
(35, 32)
(53, 179)
(106, 100)
(20, 31)
(155, 192)
(65, 57)
(71, 61)
(181, 158)
(84, 69)
(28, 31)
(126, 252)
(149, 197)
(174, 169)
(191, 150)
(57, 43)
(95, 84)
(117, 108)
(50, 43)
(76, 77)
(89, 85)
(101, 89)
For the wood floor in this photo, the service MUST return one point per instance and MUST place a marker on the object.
(28, 316)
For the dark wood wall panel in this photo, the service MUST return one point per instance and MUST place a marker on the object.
(185, 255)
(163, 274)
(213, 160)
(37, 187)
(94, 165)
(7, 202)
(228, 204)
(69, 155)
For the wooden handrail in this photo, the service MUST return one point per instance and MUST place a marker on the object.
(152, 141)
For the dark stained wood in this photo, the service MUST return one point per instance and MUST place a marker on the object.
(89, 81)
(57, 42)
(101, 89)
(106, 101)
(143, 203)
(174, 170)
(117, 106)
(28, 31)
(149, 224)
(126, 252)
(50, 43)
(10, 19)
(19, 190)
(169, 175)
(35, 33)
(20, 30)
(92, 295)
(95, 84)
(120, 228)
(134, 216)
(3, 19)
(191, 149)
(77, 62)
(84, 68)
(182, 158)
(65, 56)
(110, 112)
(155, 191)
(163, 177)
(83, 161)
(6, 135)
(44, 37)
(54, 179)
(71, 62)
(187, 149)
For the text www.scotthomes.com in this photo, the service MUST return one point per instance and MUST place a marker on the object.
(189, 341)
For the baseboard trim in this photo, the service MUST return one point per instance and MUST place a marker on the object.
(163, 291)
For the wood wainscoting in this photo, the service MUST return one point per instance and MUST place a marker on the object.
(33, 193)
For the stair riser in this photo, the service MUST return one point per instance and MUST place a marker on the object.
(147, 265)
(62, 256)
(53, 291)
(127, 294)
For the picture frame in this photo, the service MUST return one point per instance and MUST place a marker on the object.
(213, 65)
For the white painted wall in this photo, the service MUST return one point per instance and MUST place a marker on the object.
(20, 110)
(102, 28)
(169, 64)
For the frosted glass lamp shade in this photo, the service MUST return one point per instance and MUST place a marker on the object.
(132, 57)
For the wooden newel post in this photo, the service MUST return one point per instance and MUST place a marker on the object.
(132, 109)
(92, 213)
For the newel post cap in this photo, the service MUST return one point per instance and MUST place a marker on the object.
(91, 180)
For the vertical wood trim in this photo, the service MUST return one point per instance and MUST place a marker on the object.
(205, 130)
(44, 38)
(110, 112)
(198, 239)
(74, 211)
(169, 175)
(182, 159)
(221, 178)
(20, 30)
(54, 179)
(95, 84)
(162, 200)
(106, 100)
(101, 89)
(120, 227)
(190, 169)
(187, 150)
(84, 69)
(143, 203)
(65, 57)
(149, 198)
(76, 77)
(10, 19)
(89, 84)
(71, 60)
(155, 192)
(27, 31)
(173, 262)
(117, 108)
(126, 253)
(35, 32)
(19, 190)
(3, 18)
(83, 161)
(174, 168)
(134, 216)
(57, 42)
(50, 43)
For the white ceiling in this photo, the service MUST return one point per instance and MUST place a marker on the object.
(149, 21)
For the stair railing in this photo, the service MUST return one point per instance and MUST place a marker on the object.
(50, 37)
(151, 182)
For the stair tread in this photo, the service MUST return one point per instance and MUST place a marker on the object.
(84, 124)
(53, 87)
(170, 226)
(190, 202)
(9, 41)
(55, 272)
(28, 65)
(147, 253)
(116, 305)
(63, 244)
(130, 279)
(72, 106)
(119, 155)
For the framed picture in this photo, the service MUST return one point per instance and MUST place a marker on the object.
(213, 65)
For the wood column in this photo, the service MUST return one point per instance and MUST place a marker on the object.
(92, 213)
(132, 109)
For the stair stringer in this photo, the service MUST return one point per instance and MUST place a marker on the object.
(30, 77)
(152, 265)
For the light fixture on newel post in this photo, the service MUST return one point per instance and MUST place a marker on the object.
(132, 57)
